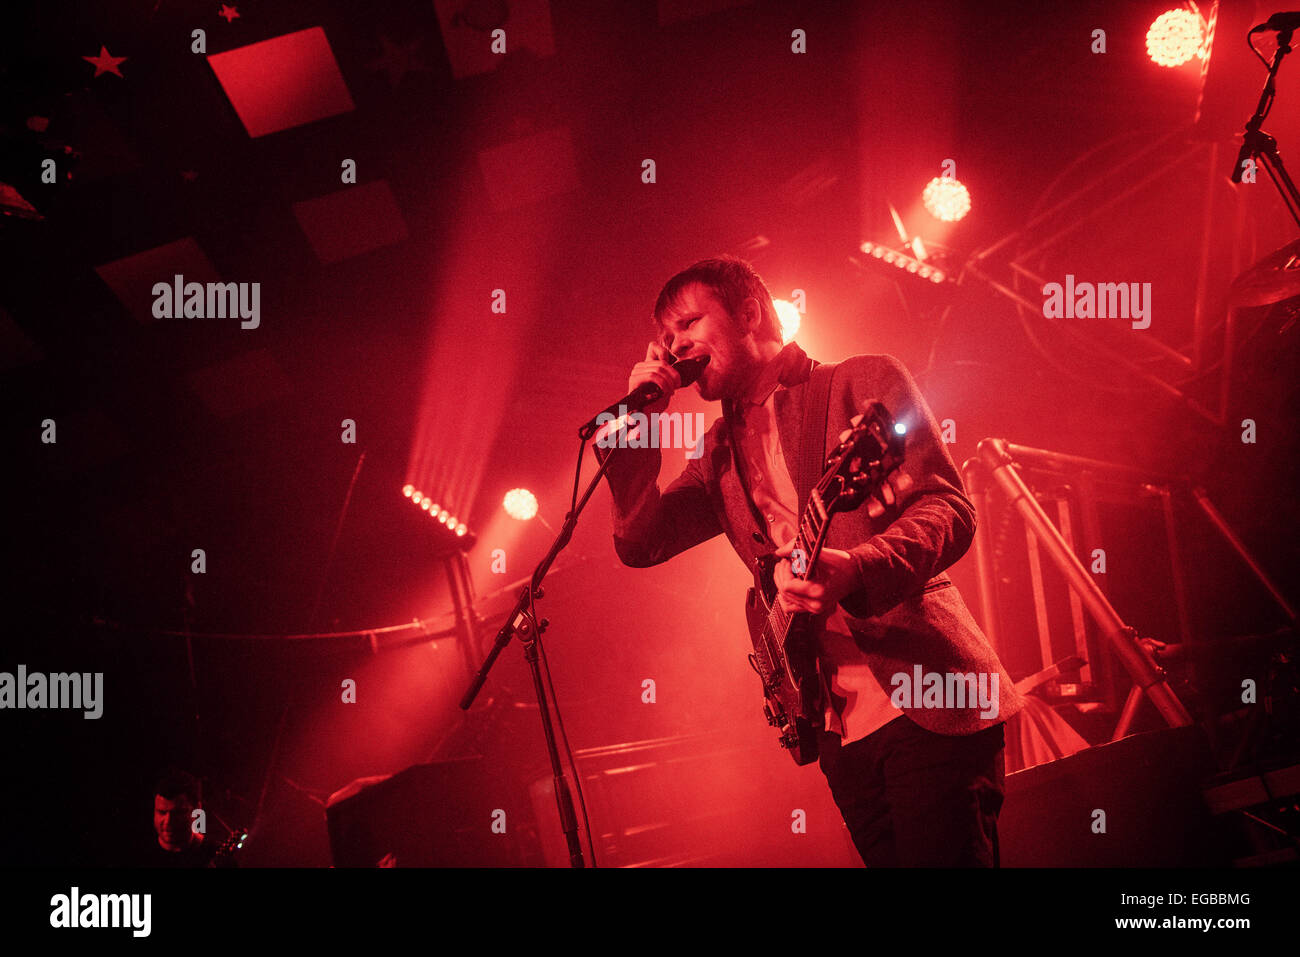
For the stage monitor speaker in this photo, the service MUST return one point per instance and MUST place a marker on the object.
(1136, 802)
(450, 814)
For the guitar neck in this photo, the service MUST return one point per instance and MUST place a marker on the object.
(808, 542)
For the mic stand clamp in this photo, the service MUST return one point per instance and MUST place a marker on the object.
(1260, 146)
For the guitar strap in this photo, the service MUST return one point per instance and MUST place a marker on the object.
(811, 460)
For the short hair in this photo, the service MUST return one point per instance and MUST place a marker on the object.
(732, 280)
(174, 783)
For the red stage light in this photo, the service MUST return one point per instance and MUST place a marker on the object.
(788, 313)
(1175, 37)
(946, 199)
(520, 503)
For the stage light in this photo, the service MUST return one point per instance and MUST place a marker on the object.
(900, 260)
(788, 313)
(946, 199)
(520, 503)
(900, 428)
(1175, 37)
(444, 517)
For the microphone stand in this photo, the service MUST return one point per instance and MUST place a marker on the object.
(1263, 148)
(529, 630)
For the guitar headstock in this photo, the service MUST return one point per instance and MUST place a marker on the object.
(870, 450)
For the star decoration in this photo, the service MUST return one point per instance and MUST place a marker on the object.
(230, 13)
(398, 59)
(105, 62)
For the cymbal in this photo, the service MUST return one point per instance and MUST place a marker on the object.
(1274, 278)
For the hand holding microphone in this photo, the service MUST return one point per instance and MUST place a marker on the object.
(652, 381)
(656, 368)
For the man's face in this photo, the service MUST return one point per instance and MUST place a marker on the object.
(173, 822)
(699, 325)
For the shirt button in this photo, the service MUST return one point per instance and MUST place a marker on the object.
(771, 519)
(758, 537)
(758, 476)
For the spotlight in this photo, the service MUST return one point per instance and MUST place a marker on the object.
(788, 313)
(901, 260)
(946, 199)
(464, 539)
(520, 503)
(1175, 37)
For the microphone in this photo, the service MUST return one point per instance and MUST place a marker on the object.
(1279, 22)
(647, 393)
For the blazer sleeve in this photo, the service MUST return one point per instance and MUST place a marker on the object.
(650, 525)
(937, 522)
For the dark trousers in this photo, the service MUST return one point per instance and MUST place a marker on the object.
(913, 798)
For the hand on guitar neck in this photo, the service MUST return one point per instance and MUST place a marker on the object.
(834, 578)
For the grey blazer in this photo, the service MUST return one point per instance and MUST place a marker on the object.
(907, 612)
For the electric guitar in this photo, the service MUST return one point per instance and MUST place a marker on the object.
(785, 643)
(229, 849)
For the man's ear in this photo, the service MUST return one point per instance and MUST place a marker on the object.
(752, 313)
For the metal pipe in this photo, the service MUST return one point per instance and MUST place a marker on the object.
(1136, 658)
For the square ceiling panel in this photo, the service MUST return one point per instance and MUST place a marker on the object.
(132, 278)
(283, 82)
(524, 171)
(240, 383)
(467, 27)
(352, 221)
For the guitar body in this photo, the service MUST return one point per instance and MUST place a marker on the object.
(787, 665)
(860, 470)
